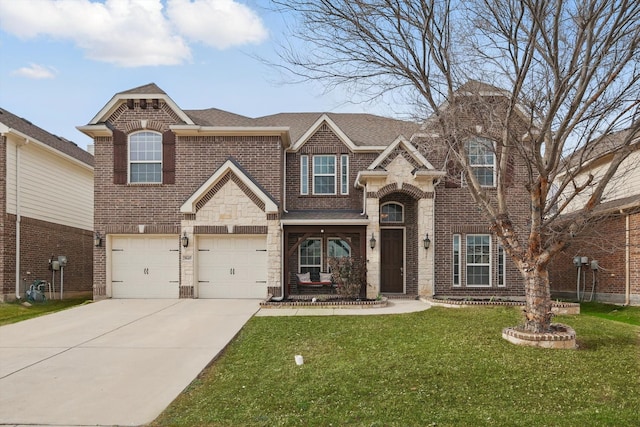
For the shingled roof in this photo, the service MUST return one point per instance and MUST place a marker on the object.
(63, 145)
(362, 129)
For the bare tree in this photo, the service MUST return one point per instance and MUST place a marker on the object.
(568, 71)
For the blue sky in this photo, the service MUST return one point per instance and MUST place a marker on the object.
(62, 60)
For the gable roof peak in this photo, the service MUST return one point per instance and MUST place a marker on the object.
(149, 88)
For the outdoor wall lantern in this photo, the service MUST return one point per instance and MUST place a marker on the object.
(426, 241)
(184, 240)
(372, 241)
(97, 240)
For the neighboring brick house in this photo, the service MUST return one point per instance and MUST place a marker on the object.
(210, 204)
(46, 190)
(612, 240)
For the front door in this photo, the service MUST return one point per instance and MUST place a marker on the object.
(392, 260)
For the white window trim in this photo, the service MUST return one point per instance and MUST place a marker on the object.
(300, 265)
(130, 162)
(392, 222)
(502, 269)
(304, 175)
(344, 174)
(467, 264)
(458, 238)
(493, 165)
(334, 175)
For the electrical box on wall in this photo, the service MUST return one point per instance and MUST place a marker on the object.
(55, 265)
(62, 260)
(594, 264)
(579, 261)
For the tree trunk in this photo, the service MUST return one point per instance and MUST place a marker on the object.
(538, 300)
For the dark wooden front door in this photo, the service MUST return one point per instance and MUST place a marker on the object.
(392, 260)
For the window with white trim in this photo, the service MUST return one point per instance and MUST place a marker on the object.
(478, 260)
(324, 174)
(456, 260)
(304, 175)
(310, 256)
(502, 266)
(482, 160)
(392, 212)
(344, 174)
(145, 157)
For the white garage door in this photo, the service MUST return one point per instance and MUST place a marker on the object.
(232, 267)
(145, 267)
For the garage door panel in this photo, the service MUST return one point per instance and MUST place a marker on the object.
(145, 267)
(232, 267)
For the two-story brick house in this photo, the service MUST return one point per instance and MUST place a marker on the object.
(210, 204)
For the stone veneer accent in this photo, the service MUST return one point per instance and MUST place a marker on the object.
(234, 209)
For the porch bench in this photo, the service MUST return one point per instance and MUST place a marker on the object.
(305, 281)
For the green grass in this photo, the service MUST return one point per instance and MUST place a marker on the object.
(15, 312)
(630, 315)
(444, 367)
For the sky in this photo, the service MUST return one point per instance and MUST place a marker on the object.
(61, 61)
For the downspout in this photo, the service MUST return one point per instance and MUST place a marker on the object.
(357, 184)
(284, 183)
(627, 262)
(18, 145)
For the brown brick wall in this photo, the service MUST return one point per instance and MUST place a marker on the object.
(123, 207)
(606, 243)
(39, 241)
(324, 141)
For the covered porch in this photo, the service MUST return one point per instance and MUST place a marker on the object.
(310, 243)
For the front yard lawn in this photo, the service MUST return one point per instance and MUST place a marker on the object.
(444, 367)
(630, 315)
(12, 312)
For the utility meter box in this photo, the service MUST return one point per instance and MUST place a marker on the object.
(55, 265)
(62, 260)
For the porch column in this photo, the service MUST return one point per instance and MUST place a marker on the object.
(274, 257)
(187, 279)
(426, 256)
(373, 255)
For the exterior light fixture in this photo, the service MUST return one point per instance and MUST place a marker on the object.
(426, 241)
(372, 241)
(97, 240)
(184, 240)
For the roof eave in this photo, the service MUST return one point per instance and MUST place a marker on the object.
(196, 130)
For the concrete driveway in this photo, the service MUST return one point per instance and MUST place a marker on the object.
(113, 362)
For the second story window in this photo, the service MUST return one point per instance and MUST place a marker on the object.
(145, 158)
(324, 174)
(482, 160)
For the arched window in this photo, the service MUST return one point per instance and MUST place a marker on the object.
(145, 157)
(391, 213)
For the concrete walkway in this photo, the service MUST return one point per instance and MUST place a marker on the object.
(397, 306)
(113, 362)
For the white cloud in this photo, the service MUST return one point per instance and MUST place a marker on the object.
(36, 71)
(216, 23)
(133, 33)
